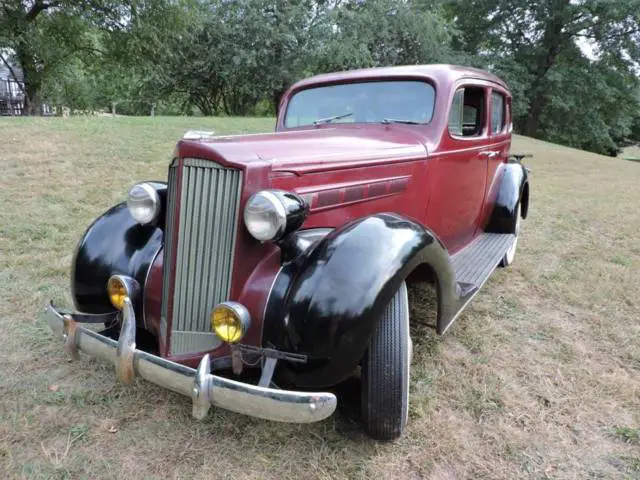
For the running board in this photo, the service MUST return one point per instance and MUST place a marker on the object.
(474, 264)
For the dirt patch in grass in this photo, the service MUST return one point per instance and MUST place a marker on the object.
(539, 378)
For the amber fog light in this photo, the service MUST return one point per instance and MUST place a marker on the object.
(119, 287)
(230, 321)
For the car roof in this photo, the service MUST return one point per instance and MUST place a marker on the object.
(438, 72)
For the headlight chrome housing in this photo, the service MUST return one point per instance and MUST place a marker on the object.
(270, 215)
(143, 203)
(230, 321)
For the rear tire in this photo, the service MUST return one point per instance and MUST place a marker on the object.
(511, 253)
(385, 372)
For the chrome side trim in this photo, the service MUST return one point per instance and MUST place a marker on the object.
(169, 235)
(144, 287)
(205, 390)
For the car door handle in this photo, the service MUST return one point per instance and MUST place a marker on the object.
(489, 153)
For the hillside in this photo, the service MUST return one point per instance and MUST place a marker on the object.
(539, 378)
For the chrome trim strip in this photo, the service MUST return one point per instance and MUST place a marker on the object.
(204, 388)
(266, 303)
(169, 238)
(146, 282)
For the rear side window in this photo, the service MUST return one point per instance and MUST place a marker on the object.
(467, 114)
(497, 112)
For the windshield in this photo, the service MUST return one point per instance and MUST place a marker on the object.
(406, 101)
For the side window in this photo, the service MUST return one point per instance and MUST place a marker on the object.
(497, 112)
(467, 116)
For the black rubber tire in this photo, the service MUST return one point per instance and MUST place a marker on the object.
(385, 372)
(509, 257)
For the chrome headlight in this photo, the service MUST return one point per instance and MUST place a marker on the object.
(143, 203)
(271, 214)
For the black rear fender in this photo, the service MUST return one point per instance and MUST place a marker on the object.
(512, 190)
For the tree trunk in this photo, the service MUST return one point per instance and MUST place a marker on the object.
(538, 90)
(536, 107)
(32, 84)
(554, 41)
(31, 99)
(276, 96)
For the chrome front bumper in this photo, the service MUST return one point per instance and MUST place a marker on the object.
(204, 388)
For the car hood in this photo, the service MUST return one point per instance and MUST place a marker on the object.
(322, 148)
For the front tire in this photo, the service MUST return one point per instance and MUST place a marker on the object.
(385, 372)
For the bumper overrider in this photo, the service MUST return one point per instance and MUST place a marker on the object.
(204, 388)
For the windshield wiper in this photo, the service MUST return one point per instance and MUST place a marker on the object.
(331, 119)
(387, 121)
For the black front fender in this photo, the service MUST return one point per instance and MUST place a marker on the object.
(114, 244)
(327, 301)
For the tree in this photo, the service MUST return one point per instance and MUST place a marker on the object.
(237, 53)
(539, 39)
(385, 32)
(44, 36)
(590, 108)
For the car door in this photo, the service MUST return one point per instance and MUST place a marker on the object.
(459, 168)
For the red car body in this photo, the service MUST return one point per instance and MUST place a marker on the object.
(349, 170)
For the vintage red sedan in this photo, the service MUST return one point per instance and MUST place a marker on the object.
(290, 252)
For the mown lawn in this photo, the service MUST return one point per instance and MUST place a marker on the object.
(539, 378)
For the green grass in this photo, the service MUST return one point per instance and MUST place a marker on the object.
(628, 434)
(539, 378)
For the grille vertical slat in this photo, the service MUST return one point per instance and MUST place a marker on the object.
(218, 234)
(195, 196)
(209, 237)
(199, 301)
(223, 240)
(209, 204)
(184, 250)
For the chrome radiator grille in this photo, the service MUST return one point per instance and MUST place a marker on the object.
(205, 236)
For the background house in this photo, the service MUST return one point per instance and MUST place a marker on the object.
(11, 94)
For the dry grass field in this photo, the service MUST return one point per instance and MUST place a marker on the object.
(539, 378)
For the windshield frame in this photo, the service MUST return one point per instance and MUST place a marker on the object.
(284, 111)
